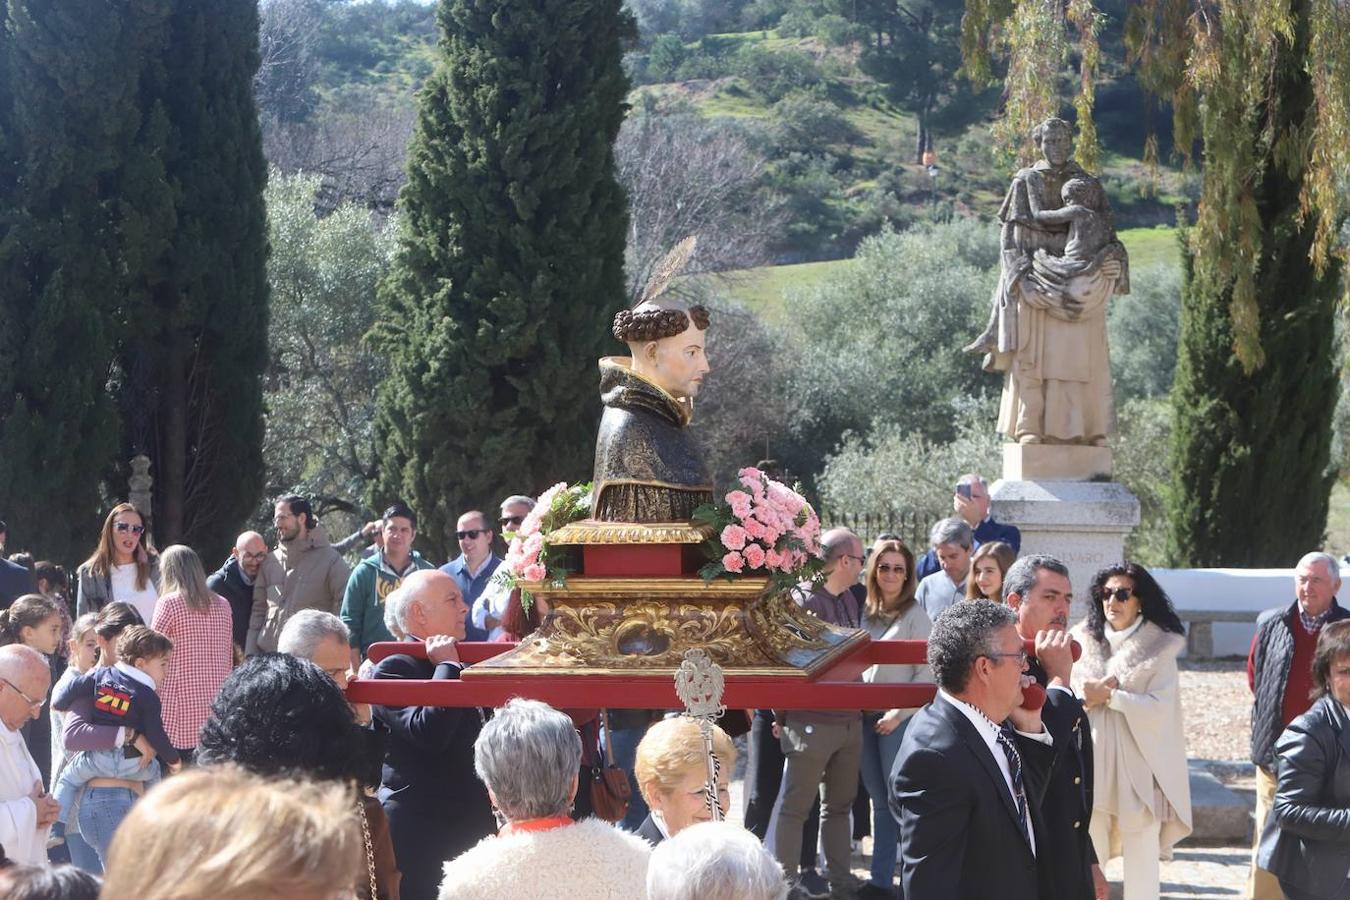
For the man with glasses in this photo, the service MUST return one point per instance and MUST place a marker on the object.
(823, 748)
(26, 811)
(490, 605)
(474, 566)
(1037, 589)
(379, 575)
(234, 580)
(970, 775)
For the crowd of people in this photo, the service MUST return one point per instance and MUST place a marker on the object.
(165, 733)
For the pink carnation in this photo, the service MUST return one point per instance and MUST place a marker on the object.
(740, 504)
(754, 528)
(733, 537)
(535, 572)
(754, 556)
(774, 560)
(533, 544)
(733, 562)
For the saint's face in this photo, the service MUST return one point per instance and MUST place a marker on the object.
(678, 364)
(1057, 144)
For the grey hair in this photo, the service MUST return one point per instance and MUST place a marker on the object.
(972, 478)
(952, 531)
(1021, 576)
(836, 541)
(396, 609)
(521, 499)
(528, 754)
(17, 660)
(714, 861)
(304, 630)
(962, 633)
(1332, 563)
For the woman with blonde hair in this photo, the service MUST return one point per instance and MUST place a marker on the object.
(229, 835)
(988, 567)
(202, 630)
(124, 566)
(672, 774)
(890, 613)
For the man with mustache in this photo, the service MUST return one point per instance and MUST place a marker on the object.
(1037, 589)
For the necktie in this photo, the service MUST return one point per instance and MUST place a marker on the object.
(1009, 749)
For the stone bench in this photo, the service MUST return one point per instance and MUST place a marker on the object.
(1200, 631)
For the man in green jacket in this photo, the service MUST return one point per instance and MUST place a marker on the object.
(377, 576)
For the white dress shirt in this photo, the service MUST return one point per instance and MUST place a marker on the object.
(989, 731)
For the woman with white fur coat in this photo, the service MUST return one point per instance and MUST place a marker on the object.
(528, 755)
(1129, 683)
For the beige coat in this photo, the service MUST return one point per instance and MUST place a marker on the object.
(1139, 742)
(307, 573)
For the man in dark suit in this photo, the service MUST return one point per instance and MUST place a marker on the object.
(1037, 589)
(436, 805)
(15, 580)
(971, 772)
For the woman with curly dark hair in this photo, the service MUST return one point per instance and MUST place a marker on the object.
(277, 715)
(1129, 683)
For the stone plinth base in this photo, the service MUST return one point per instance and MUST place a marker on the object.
(1081, 523)
(1056, 462)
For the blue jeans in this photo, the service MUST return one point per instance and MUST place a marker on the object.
(101, 811)
(623, 744)
(83, 765)
(878, 756)
(82, 855)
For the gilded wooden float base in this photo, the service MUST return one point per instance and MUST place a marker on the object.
(643, 626)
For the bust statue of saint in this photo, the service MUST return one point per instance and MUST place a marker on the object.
(647, 465)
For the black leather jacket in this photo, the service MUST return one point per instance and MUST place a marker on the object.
(1306, 841)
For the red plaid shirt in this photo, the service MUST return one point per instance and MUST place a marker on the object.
(203, 655)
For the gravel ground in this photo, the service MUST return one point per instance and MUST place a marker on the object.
(1217, 707)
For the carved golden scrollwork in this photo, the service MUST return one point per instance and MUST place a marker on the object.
(591, 531)
(644, 626)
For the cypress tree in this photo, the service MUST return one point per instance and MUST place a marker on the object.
(196, 343)
(1251, 445)
(68, 111)
(510, 261)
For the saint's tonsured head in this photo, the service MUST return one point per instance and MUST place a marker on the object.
(666, 340)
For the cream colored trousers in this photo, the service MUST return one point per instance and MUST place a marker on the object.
(1140, 849)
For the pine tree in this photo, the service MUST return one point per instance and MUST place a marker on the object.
(68, 111)
(510, 264)
(196, 345)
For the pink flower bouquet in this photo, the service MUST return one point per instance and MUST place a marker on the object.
(763, 527)
(527, 556)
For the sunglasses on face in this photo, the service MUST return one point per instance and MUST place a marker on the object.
(1119, 595)
(899, 570)
(124, 527)
(509, 521)
(472, 534)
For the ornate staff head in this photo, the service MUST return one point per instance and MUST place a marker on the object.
(699, 684)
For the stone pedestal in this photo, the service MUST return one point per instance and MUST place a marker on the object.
(1046, 493)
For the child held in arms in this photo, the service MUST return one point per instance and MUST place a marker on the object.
(125, 695)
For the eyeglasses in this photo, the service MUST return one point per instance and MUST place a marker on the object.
(1020, 655)
(851, 556)
(1119, 595)
(35, 704)
(899, 570)
(472, 534)
(508, 521)
(125, 527)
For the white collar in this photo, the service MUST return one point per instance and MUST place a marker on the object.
(1116, 638)
(136, 673)
(987, 728)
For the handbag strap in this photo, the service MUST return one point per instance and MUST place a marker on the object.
(370, 851)
(609, 738)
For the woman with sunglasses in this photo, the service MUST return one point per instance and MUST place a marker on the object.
(1129, 683)
(890, 613)
(124, 567)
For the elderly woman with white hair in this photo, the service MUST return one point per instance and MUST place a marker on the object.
(714, 861)
(528, 756)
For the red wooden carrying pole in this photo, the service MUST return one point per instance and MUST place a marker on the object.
(836, 688)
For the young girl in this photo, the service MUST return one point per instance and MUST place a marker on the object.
(35, 621)
(82, 651)
(987, 568)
